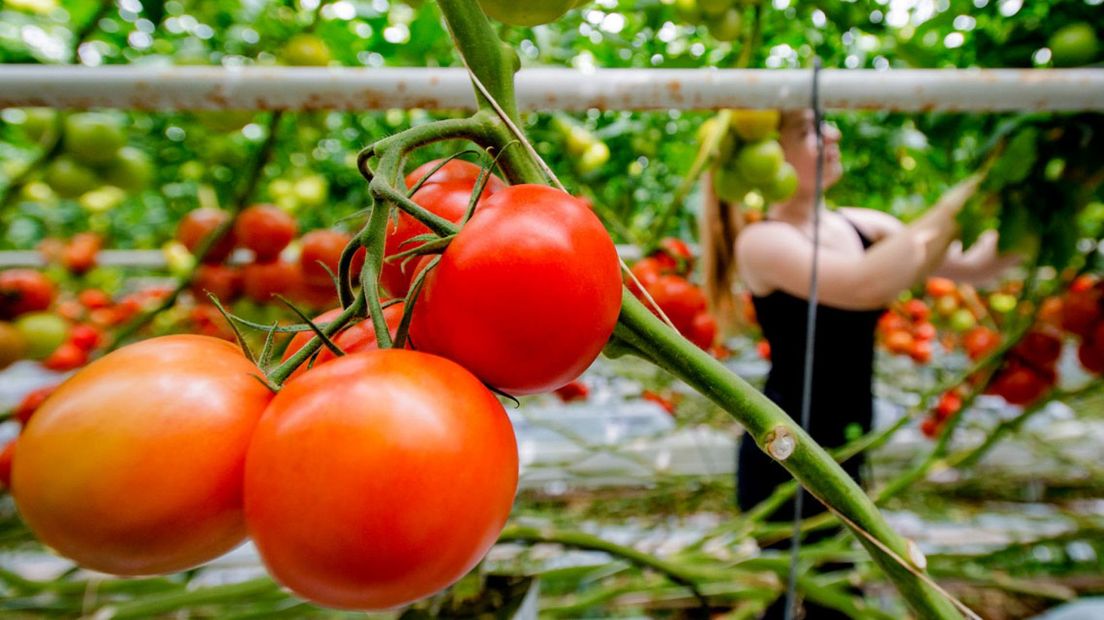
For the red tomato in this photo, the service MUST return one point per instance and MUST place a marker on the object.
(266, 230)
(94, 298)
(940, 287)
(260, 281)
(948, 405)
(197, 225)
(1091, 355)
(763, 348)
(930, 427)
(1039, 348)
(924, 331)
(158, 488)
(224, 282)
(899, 342)
(526, 295)
(314, 297)
(666, 403)
(921, 351)
(79, 255)
(379, 478)
(6, 457)
(355, 338)
(456, 170)
(674, 255)
(23, 291)
(1019, 385)
(980, 341)
(647, 271)
(324, 247)
(446, 199)
(31, 402)
(703, 330)
(680, 300)
(576, 390)
(917, 310)
(85, 337)
(1081, 312)
(66, 357)
(890, 322)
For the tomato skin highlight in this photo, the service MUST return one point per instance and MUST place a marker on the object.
(379, 478)
(134, 465)
(526, 295)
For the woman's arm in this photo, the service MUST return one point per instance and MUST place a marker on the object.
(978, 265)
(777, 256)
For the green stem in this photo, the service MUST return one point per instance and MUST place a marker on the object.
(284, 370)
(165, 603)
(765, 421)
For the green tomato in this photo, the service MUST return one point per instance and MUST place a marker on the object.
(178, 259)
(39, 123)
(1074, 45)
(727, 26)
(759, 162)
(191, 170)
(530, 13)
(783, 185)
(102, 199)
(131, 170)
(714, 8)
(223, 121)
(70, 179)
(306, 50)
(688, 11)
(93, 137)
(579, 140)
(594, 158)
(1002, 302)
(754, 125)
(962, 320)
(729, 184)
(44, 332)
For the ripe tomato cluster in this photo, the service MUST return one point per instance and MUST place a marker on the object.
(1082, 315)
(370, 479)
(60, 330)
(949, 404)
(663, 275)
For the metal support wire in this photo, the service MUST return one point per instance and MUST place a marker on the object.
(810, 338)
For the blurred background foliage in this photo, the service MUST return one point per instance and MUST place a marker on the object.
(893, 161)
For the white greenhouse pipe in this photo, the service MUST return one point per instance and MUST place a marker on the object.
(337, 88)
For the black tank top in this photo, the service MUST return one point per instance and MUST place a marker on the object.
(843, 362)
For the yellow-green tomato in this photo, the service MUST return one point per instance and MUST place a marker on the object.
(531, 13)
(93, 137)
(759, 162)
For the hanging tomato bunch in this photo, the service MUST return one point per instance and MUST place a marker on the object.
(663, 274)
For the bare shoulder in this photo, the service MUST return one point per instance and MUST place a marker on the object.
(764, 240)
(873, 223)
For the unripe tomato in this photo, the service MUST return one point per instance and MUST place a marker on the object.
(266, 230)
(759, 162)
(962, 320)
(754, 125)
(358, 337)
(526, 13)
(783, 185)
(324, 247)
(23, 291)
(1074, 45)
(730, 185)
(306, 50)
(43, 331)
(93, 137)
(526, 295)
(727, 26)
(70, 178)
(379, 478)
(134, 465)
(197, 225)
(131, 170)
(13, 344)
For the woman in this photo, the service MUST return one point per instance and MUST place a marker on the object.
(866, 259)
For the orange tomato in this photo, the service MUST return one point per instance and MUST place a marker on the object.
(134, 465)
